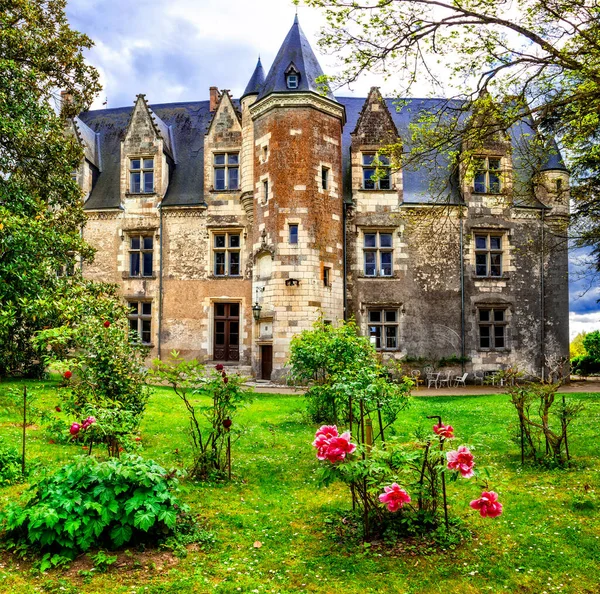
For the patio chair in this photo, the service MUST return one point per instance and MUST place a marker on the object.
(478, 376)
(433, 378)
(445, 380)
(460, 380)
(415, 375)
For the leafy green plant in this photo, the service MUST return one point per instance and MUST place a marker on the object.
(103, 372)
(227, 394)
(95, 504)
(343, 369)
(10, 464)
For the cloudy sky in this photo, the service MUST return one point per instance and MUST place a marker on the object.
(174, 50)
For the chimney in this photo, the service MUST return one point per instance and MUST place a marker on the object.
(214, 97)
(66, 101)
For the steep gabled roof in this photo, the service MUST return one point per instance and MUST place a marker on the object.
(256, 82)
(89, 140)
(375, 124)
(161, 129)
(295, 51)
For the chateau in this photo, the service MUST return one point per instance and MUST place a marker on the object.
(233, 224)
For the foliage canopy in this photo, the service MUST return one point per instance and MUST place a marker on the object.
(40, 204)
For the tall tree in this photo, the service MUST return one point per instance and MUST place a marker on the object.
(537, 59)
(41, 212)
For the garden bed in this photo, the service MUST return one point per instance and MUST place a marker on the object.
(274, 531)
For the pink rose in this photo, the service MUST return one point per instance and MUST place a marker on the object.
(75, 427)
(394, 497)
(487, 504)
(461, 460)
(445, 431)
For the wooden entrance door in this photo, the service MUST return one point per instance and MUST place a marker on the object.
(227, 332)
(266, 361)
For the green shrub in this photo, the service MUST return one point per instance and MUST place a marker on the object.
(585, 365)
(95, 504)
(10, 464)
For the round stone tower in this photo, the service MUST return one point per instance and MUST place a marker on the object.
(297, 233)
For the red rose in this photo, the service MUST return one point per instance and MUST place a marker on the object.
(138, 439)
(227, 423)
(67, 375)
(106, 324)
(219, 367)
(57, 409)
(225, 379)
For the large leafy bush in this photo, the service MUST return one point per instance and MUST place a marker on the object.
(343, 369)
(96, 504)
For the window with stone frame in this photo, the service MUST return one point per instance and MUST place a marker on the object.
(141, 175)
(325, 178)
(488, 175)
(378, 253)
(67, 269)
(488, 254)
(226, 171)
(140, 320)
(383, 329)
(492, 325)
(326, 276)
(293, 229)
(376, 172)
(226, 253)
(141, 255)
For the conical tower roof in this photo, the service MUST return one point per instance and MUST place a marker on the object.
(295, 53)
(257, 80)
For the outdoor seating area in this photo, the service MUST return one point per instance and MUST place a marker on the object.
(430, 378)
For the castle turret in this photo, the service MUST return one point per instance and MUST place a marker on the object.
(297, 231)
(253, 88)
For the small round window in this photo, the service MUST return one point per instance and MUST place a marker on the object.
(292, 81)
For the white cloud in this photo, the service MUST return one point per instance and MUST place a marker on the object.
(587, 322)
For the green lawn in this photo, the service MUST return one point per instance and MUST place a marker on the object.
(542, 542)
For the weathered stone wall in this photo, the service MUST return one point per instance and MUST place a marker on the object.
(292, 145)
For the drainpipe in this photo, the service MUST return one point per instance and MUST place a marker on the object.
(462, 294)
(542, 297)
(160, 282)
(344, 205)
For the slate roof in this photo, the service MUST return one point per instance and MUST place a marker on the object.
(189, 122)
(257, 80)
(295, 50)
(90, 142)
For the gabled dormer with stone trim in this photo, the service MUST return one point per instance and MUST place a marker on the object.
(91, 165)
(147, 159)
(486, 177)
(376, 183)
(222, 149)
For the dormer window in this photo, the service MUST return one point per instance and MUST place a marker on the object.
(488, 172)
(226, 168)
(376, 172)
(141, 176)
(292, 76)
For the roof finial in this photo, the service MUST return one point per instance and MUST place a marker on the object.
(296, 17)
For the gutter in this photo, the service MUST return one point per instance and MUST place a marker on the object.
(160, 283)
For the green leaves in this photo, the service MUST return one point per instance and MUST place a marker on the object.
(41, 211)
(92, 503)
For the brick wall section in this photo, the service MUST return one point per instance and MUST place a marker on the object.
(300, 140)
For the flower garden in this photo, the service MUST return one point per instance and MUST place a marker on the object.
(273, 529)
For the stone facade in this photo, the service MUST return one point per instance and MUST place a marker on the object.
(231, 225)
